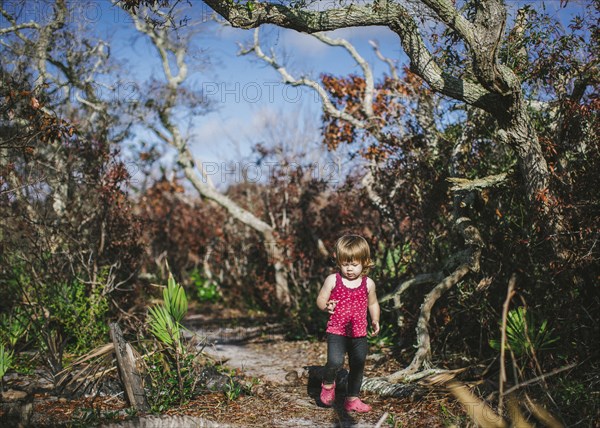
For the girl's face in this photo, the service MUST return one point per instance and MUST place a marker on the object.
(351, 270)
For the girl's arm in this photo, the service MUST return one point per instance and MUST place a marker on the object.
(374, 309)
(323, 302)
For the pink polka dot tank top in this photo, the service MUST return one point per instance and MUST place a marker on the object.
(350, 316)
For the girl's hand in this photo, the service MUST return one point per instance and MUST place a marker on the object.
(375, 327)
(330, 306)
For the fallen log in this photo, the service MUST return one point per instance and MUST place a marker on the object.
(130, 376)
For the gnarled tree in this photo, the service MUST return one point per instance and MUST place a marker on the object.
(484, 81)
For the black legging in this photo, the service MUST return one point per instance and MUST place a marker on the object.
(356, 347)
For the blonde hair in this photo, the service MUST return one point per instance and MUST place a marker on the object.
(351, 248)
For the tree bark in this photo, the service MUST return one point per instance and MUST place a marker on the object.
(535, 176)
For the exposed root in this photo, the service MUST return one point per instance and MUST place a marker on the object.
(410, 384)
(384, 388)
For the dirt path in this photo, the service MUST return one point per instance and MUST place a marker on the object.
(286, 383)
(280, 382)
(251, 351)
(286, 390)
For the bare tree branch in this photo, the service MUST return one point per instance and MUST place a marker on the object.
(423, 339)
(388, 61)
(471, 264)
(425, 278)
(288, 78)
(502, 379)
(392, 15)
(174, 79)
(477, 183)
(367, 99)
(15, 28)
(43, 42)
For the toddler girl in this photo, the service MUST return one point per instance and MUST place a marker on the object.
(347, 295)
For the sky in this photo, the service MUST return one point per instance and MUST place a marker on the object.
(249, 95)
(250, 103)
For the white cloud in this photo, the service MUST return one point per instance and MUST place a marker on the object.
(307, 45)
(218, 137)
(303, 44)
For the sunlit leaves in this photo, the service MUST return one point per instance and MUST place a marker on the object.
(163, 326)
(524, 335)
(175, 299)
(391, 101)
(164, 320)
(6, 360)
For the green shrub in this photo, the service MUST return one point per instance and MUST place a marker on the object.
(168, 386)
(206, 290)
(75, 307)
(14, 326)
(233, 390)
(165, 320)
(394, 261)
(6, 360)
(524, 335)
(83, 314)
(173, 370)
(386, 337)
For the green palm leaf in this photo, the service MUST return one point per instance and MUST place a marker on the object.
(175, 299)
(163, 326)
(6, 360)
(524, 335)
